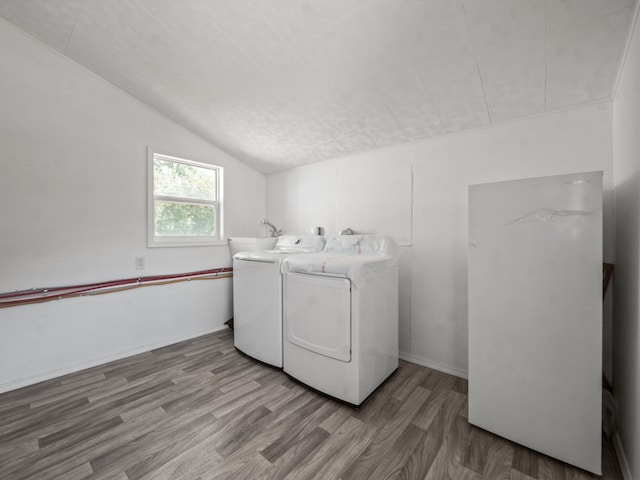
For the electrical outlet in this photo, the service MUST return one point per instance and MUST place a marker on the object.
(139, 263)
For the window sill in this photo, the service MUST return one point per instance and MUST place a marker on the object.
(179, 243)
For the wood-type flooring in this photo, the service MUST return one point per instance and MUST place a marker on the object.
(199, 410)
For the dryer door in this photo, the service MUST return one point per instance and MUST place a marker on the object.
(318, 314)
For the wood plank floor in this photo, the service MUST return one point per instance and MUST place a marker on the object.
(199, 410)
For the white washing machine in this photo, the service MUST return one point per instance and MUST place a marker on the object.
(341, 316)
(257, 296)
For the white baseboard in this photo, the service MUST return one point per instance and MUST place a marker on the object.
(457, 372)
(622, 458)
(93, 362)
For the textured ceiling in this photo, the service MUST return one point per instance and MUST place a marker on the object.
(280, 83)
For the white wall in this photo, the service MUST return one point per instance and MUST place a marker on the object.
(626, 334)
(73, 210)
(418, 194)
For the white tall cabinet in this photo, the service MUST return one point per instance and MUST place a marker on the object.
(535, 314)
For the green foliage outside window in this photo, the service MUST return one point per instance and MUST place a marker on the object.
(185, 197)
(181, 180)
(184, 219)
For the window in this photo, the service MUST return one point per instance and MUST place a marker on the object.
(184, 202)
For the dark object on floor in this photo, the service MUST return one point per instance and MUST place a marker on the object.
(229, 323)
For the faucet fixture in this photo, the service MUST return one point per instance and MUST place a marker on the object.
(274, 231)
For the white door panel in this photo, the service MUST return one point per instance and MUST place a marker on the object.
(535, 314)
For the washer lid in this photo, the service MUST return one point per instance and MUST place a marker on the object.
(285, 245)
(309, 243)
(357, 257)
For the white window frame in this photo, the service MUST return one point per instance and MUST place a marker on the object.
(154, 240)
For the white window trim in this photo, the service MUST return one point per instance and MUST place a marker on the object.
(154, 241)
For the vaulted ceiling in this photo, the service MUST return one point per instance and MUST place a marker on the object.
(281, 83)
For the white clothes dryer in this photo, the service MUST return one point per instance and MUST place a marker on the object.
(341, 316)
(257, 296)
